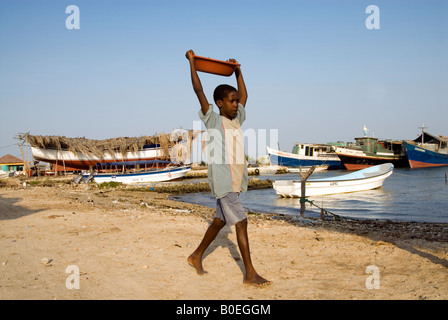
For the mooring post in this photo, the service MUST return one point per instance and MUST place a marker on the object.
(303, 177)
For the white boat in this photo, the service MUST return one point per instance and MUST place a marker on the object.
(155, 175)
(262, 170)
(85, 161)
(84, 154)
(304, 169)
(4, 175)
(366, 179)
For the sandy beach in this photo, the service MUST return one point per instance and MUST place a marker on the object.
(134, 245)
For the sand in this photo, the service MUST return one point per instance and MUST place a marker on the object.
(134, 245)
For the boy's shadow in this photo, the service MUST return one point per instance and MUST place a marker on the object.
(223, 240)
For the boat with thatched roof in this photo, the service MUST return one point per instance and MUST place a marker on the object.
(84, 154)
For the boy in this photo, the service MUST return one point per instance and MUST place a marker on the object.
(227, 173)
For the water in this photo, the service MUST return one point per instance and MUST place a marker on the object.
(407, 195)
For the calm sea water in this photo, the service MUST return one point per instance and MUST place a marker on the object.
(407, 195)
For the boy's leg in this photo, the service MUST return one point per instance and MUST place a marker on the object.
(252, 276)
(195, 259)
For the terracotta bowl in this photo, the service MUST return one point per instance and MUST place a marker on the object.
(218, 67)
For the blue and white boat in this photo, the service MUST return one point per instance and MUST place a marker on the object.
(427, 151)
(167, 173)
(361, 180)
(306, 155)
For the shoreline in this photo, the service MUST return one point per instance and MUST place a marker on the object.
(134, 245)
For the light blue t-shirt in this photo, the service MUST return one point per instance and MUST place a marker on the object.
(220, 176)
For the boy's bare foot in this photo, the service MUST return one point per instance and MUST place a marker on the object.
(197, 264)
(257, 280)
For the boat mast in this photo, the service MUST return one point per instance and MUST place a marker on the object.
(423, 132)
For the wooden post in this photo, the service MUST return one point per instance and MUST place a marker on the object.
(303, 177)
(23, 139)
(322, 211)
(23, 157)
(63, 161)
(56, 164)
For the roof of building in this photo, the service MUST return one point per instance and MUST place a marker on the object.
(10, 159)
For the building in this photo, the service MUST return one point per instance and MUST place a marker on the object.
(10, 163)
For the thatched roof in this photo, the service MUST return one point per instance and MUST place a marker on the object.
(99, 147)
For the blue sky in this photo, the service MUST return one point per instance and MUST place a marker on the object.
(312, 68)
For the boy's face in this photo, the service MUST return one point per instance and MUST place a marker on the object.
(228, 107)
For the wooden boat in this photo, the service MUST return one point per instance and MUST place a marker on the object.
(83, 154)
(306, 155)
(153, 174)
(4, 175)
(427, 151)
(85, 161)
(361, 180)
(369, 151)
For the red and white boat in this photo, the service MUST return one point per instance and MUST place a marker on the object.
(84, 161)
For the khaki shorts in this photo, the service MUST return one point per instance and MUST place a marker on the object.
(229, 209)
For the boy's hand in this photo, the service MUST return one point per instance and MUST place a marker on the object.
(237, 69)
(232, 61)
(190, 55)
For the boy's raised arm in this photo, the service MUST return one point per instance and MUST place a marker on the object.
(197, 86)
(242, 91)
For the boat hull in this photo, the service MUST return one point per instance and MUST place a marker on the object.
(367, 179)
(294, 160)
(363, 162)
(168, 174)
(85, 162)
(420, 157)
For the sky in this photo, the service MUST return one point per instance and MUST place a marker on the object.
(314, 71)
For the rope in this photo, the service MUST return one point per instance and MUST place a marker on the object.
(322, 210)
(14, 144)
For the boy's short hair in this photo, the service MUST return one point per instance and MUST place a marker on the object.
(222, 91)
